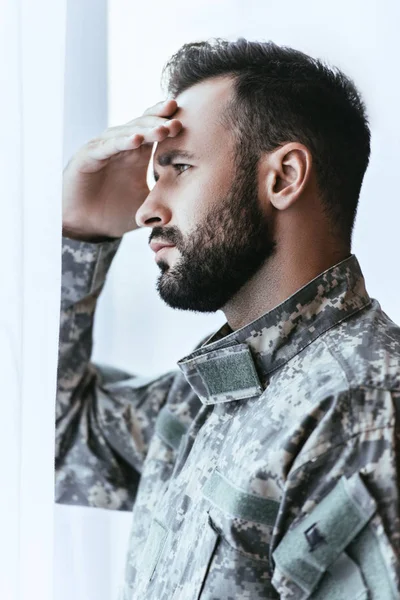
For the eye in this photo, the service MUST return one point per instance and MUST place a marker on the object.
(178, 166)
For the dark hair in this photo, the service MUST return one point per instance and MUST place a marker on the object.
(282, 95)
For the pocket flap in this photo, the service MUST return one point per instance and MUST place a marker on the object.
(153, 549)
(169, 428)
(311, 547)
(238, 503)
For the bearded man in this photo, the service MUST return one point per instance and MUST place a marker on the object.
(265, 466)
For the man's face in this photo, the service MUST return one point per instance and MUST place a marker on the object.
(206, 207)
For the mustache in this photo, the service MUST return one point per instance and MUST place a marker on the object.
(171, 235)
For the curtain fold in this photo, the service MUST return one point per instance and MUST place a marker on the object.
(32, 57)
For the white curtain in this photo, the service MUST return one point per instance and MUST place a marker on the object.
(84, 546)
(32, 40)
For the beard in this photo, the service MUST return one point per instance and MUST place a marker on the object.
(222, 253)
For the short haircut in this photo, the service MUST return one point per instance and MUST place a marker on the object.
(282, 95)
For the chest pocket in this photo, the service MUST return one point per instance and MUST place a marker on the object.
(239, 566)
(169, 428)
(334, 553)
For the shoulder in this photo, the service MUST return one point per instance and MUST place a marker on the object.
(344, 388)
(362, 351)
(367, 348)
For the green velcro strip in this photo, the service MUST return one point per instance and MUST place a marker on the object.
(365, 551)
(342, 581)
(307, 551)
(229, 374)
(169, 428)
(237, 503)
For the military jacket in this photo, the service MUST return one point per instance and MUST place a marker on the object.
(265, 466)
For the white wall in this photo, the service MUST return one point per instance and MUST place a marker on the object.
(31, 107)
(134, 329)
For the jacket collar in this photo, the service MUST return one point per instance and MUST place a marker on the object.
(234, 365)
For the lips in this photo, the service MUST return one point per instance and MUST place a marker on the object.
(156, 246)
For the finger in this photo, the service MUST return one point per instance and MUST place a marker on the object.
(169, 126)
(149, 122)
(156, 134)
(164, 108)
(107, 147)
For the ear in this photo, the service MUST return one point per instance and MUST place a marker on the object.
(287, 171)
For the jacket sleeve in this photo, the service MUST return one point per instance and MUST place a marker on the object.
(105, 417)
(339, 523)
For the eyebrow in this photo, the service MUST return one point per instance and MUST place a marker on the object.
(165, 159)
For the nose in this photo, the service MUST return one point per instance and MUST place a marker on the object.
(152, 212)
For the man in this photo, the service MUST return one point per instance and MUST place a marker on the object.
(266, 465)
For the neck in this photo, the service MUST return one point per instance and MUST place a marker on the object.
(280, 277)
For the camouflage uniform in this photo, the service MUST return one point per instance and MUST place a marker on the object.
(265, 466)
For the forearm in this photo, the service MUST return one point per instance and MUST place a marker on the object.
(84, 270)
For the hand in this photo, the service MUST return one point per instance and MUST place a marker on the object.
(104, 183)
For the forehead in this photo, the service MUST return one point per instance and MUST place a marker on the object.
(199, 109)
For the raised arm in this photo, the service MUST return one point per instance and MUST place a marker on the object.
(105, 417)
(103, 433)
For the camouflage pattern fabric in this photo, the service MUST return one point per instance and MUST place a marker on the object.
(265, 466)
